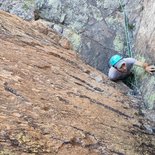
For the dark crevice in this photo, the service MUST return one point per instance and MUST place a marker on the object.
(85, 132)
(65, 59)
(82, 81)
(80, 141)
(101, 104)
(117, 153)
(13, 91)
(63, 100)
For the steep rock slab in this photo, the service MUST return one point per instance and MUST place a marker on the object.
(52, 103)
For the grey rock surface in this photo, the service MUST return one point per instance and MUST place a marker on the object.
(145, 49)
(22, 8)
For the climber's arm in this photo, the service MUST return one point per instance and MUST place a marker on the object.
(148, 68)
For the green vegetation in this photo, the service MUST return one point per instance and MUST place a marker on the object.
(118, 43)
(131, 26)
(96, 13)
(74, 38)
(141, 75)
(149, 97)
(27, 4)
(25, 7)
(120, 8)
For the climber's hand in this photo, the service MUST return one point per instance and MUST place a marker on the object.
(150, 69)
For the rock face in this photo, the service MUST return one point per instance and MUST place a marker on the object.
(22, 8)
(95, 28)
(145, 49)
(145, 37)
(52, 103)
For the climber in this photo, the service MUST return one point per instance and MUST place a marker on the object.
(120, 68)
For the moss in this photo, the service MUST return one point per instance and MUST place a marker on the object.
(116, 21)
(96, 13)
(110, 20)
(131, 26)
(150, 100)
(25, 7)
(147, 86)
(74, 38)
(140, 74)
(118, 43)
(120, 8)
(27, 4)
